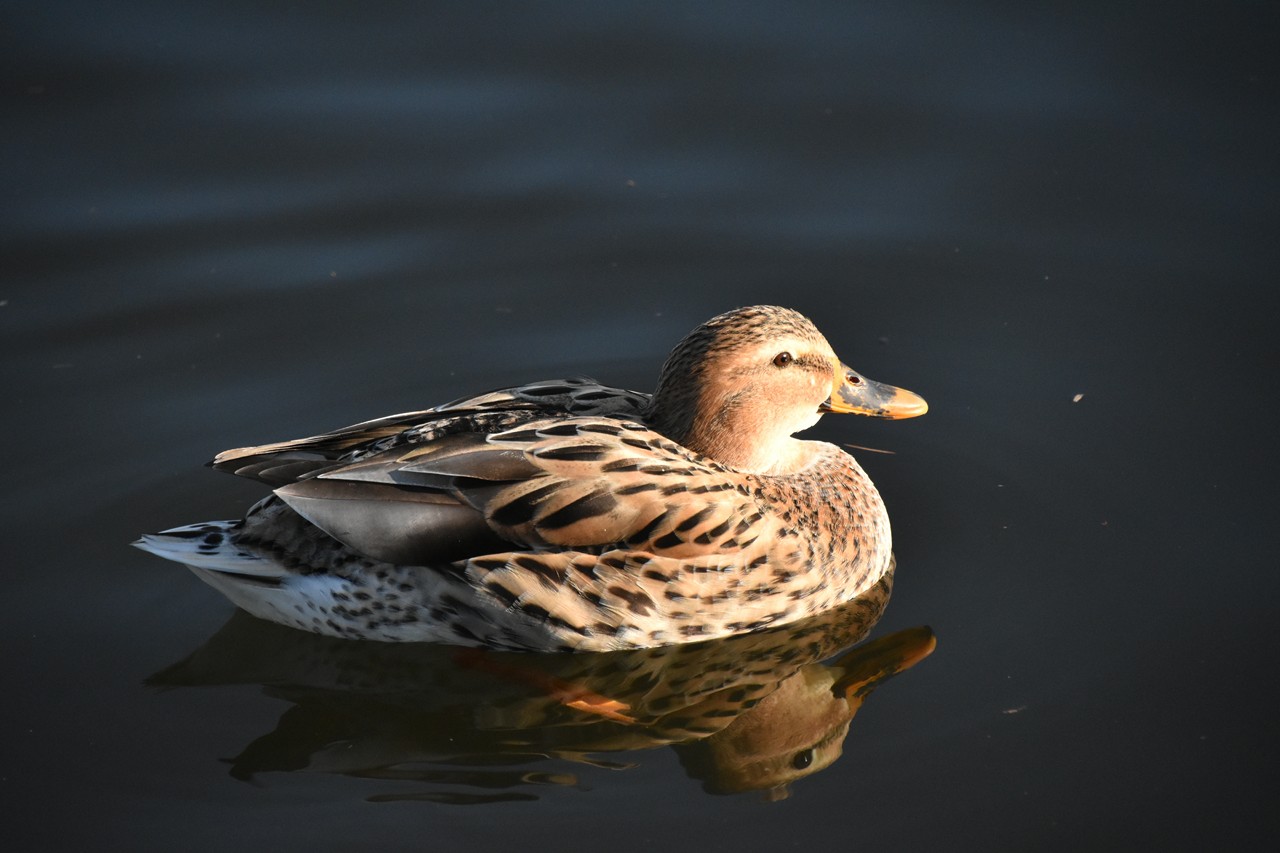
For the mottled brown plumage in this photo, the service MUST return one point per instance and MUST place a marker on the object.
(570, 515)
(752, 711)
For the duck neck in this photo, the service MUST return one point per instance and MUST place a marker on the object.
(725, 432)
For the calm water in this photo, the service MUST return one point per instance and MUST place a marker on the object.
(226, 225)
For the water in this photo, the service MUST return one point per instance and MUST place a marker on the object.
(227, 225)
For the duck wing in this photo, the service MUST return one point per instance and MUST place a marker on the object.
(286, 462)
(582, 484)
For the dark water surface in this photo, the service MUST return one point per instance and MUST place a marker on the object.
(233, 223)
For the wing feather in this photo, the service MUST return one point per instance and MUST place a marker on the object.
(474, 481)
(286, 461)
(599, 482)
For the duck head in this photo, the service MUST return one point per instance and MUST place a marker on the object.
(741, 384)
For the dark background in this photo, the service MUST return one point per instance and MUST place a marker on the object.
(225, 223)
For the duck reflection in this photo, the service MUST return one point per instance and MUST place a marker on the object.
(750, 712)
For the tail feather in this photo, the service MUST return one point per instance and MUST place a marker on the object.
(252, 580)
(211, 546)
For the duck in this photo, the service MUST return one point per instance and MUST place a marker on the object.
(567, 515)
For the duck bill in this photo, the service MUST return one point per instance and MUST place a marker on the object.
(862, 670)
(852, 393)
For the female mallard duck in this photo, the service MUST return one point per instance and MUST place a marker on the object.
(569, 515)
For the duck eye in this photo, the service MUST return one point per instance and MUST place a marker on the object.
(782, 359)
(802, 759)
